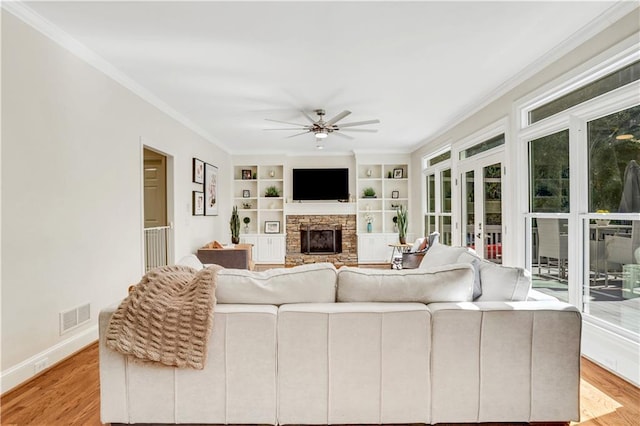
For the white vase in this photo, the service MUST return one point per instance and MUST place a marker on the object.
(636, 254)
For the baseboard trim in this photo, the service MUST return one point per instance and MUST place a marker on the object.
(24, 371)
(612, 352)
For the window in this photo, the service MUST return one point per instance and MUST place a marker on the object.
(549, 173)
(617, 79)
(481, 147)
(438, 196)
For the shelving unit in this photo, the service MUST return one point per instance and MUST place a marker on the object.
(254, 178)
(391, 192)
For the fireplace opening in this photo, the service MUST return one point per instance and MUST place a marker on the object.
(325, 240)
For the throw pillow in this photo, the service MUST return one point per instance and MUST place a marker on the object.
(450, 283)
(313, 283)
(440, 255)
(499, 282)
(477, 287)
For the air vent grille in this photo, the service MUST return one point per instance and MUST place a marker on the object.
(75, 317)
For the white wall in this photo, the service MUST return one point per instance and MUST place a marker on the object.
(71, 193)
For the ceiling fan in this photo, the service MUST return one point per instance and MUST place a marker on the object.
(322, 128)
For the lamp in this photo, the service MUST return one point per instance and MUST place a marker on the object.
(321, 134)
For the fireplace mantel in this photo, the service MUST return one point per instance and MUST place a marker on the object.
(319, 208)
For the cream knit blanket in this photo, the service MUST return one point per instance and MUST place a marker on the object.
(167, 317)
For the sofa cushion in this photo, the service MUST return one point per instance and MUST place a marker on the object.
(440, 255)
(301, 284)
(453, 283)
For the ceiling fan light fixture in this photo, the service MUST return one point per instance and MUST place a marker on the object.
(319, 146)
(624, 137)
(321, 134)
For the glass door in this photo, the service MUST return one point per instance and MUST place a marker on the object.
(481, 201)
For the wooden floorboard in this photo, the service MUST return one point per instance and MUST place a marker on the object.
(69, 394)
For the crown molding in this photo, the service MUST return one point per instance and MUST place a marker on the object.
(597, 25)
(53, 32)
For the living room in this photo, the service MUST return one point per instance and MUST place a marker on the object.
(72, 230)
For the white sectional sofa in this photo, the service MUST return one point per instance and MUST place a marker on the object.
(316, 345)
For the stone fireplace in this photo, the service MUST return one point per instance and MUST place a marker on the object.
(321, 238)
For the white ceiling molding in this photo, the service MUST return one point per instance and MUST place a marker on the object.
(51, 31)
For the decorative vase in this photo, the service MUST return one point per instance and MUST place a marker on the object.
(403, 240)
(636, 254)
(272, 173)
(369, 227)
(235, 240)
(246, 229)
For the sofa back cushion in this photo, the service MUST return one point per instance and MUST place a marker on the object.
(450, 283)
(301, 284)
(496, 282)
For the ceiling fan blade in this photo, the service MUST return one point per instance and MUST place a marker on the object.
(338, 117)
(308, 117)
(289, 128)
(358, 123)
(286, 122)
(359, 130)
(342, 135)
(298, 134)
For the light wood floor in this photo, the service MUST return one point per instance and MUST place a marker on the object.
(69, 394)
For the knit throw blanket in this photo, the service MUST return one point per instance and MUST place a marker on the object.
(167, 317)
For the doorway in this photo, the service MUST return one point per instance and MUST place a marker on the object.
(481, 203)
(156, 225)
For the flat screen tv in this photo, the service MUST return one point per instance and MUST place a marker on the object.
(320, 184)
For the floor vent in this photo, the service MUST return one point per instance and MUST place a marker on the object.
(74, 317)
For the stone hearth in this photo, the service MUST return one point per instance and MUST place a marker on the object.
(297, 223)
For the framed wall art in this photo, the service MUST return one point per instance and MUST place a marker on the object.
(395, 194)
(246, 193)
(398, 173)
(198, 203)
(198, 171)
(210, 190)
(246, 174)
(272, 227)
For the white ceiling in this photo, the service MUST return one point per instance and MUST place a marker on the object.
(226, 66)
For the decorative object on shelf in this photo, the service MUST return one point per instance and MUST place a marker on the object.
(272, 173)
(369, 172)
(395, 194)
(271, 191)
(234, 224)
(390, 174)
(246, 174)
(402, 224)
(369, 193)
(198, 203)
(398, 173)
(255, 175)
(198, 171)
(272, 227)
(211, 190)
(368, 217)
(246, 205)
(246, 193)
(395, 223)
(246, 220)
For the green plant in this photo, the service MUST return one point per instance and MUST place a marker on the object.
(402, 221)
(369, 192)
(271, 191)
(390, 174)
(234, 224)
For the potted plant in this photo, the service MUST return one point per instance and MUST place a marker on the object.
(369, 192)
(234, 224)
(368, 217)
(246, 221)
(402, 224)
(271, 191)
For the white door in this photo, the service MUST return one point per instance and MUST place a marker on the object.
(481, 203)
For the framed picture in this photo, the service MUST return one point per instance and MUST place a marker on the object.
(398, 173)
(271, 227)
(395, 194)
(198, 171)
(198, 203)
(210, 190)
(246, 193)
(246, 174)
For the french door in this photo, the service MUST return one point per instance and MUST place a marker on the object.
(481, 203)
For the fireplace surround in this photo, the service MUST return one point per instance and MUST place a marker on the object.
(321, 238)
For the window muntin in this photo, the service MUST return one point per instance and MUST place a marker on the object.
(439, 158)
